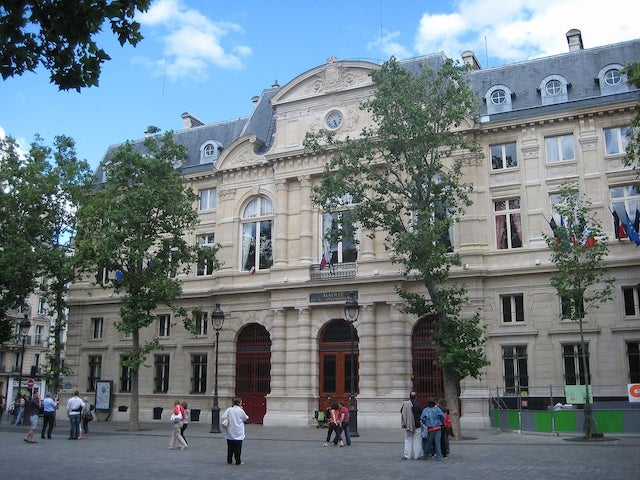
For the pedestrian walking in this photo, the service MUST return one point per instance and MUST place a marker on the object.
(410, 419)
(185, 420)
(343, 418)
(49, 407)
(19, 409)
(334, 426)
(177, 419)
(75, 405)
(34, 410)
(234, 418)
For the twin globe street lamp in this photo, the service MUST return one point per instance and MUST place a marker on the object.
(351, 313)
(217, 320)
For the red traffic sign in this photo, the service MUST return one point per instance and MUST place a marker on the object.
(30, 383)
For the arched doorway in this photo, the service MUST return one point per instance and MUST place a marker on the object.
(427, 375)
(253, 370)
(335, 362)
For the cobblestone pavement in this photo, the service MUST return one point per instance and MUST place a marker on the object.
(297, 453)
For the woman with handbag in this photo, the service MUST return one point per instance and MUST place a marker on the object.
(233, 419)
(177, 419)
(86, 416)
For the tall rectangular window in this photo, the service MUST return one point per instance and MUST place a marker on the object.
(508, 223)
(95, 372)
(205, 266)
(516, 378)
(503, 156)
(96, 327)
(625, 201)
(42, 306)
(339, 242)
(512, 308)
(198, 374)
(560, 148)
(164, 325)
(616, 140)
(633, 354)
(631, 301)
(207, 199)
(125, 375)
(39, 336)
(161, 374)
(200, 322)
(574, 371)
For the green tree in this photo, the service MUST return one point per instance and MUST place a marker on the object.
(68, 181)
(23, 225)
(578, 250)
(632, 157)
(404, 177)
(59, 34)
(134, 224)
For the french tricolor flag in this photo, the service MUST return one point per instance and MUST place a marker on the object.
(252, 269)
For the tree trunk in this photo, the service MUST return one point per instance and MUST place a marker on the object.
(134, 408)
(451, 381)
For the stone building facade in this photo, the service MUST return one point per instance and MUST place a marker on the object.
(285, 345)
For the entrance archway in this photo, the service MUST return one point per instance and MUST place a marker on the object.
(253, 370)
(335, 363)
(427, 375)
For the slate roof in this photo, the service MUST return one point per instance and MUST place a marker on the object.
(580, 68)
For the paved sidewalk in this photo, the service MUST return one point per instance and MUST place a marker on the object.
(297, 453)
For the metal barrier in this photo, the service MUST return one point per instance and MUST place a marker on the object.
(522, 411)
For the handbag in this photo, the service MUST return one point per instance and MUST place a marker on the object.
(88, 416)
(225, 422)
(175, 417)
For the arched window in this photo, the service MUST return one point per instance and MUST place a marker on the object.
(554, 89)
(257, 234)
(210, 151)
(611, 79)
(498, 99)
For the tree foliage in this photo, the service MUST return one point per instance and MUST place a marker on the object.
(135, 225)
(60, 35)
(40, 189)
(404, 176)
(578, 250)
(632, 157)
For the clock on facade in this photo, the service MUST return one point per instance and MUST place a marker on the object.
(334, 119)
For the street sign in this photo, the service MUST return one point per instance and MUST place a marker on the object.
(30, 383)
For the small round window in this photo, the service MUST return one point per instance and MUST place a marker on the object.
(498, 97)
(553, 87)
(612, 77)
(209, 150)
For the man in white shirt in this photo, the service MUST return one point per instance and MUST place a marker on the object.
(75, 405)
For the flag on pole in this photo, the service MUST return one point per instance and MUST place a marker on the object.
(618, 227)
(631, 231)
(325, 259)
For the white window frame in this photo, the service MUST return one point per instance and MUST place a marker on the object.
(555, 147)
(631, 301)
(515, 312)
(97, 327)
(616, 140)
(164, 325)
(208, 199)
(258, 216)
(205, 240)
(502, 147)
(509, 212)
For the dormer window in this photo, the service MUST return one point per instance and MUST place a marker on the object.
(554, 89)
(498, 99)
(612, 77)
(612, 80)
(210, 151)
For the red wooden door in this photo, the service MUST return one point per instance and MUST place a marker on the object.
(253, 370)
(335, 363)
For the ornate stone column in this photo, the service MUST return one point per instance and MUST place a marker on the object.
(282, 224)
(306, 217)
(278, 353)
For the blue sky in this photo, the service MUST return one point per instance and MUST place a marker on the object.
(209, 57)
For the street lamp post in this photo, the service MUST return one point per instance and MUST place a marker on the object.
(351, 313)
(217, 320)
(25, 324)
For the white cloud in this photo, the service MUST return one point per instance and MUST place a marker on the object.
(192, 41)
(522, 29)
(388, 47)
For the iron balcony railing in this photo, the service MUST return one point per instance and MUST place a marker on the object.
(334, 271)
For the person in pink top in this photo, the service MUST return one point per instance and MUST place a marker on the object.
(343, 417)
(178, 410)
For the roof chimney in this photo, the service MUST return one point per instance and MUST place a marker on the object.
(189, 121)
(469, 58)
(574, 39)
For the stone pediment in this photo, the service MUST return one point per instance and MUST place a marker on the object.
(241, 154)
(334, 76)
